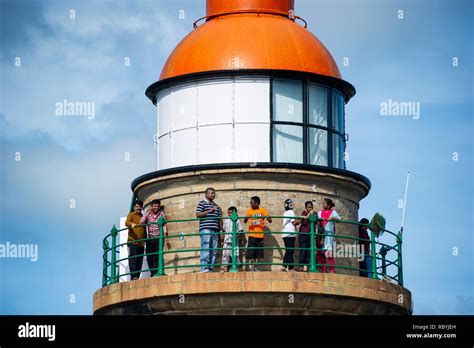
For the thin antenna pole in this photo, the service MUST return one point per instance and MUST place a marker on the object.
(405, 202)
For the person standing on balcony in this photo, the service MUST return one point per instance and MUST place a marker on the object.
(256, 218)
(366, 264)
(326, 254)
(289, 236)
(304, 238)
(152, 245)
(135, 245)
(209, 229)
(227, 240)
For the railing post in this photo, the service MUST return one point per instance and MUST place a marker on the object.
(312, 256)
(104, 263)
(383, 252)
(374, 256)
(235, 250)
(113, 270)
(399, 258)
(161, 259)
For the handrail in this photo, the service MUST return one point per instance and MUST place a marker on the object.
(290, 16)
(111, 272)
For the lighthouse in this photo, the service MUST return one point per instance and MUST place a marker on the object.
(251, 103)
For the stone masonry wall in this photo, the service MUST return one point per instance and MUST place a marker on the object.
(180, 193)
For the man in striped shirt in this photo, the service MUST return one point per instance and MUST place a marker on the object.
(208, 229)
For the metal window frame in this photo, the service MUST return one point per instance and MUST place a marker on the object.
(305, 125)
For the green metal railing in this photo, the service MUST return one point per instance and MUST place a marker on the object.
(386, 258)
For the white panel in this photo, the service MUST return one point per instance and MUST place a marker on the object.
(215, 144)
(252, 143)
(252, 100)
(215, 102)
(184, 107)
(123, 251)
(165, 152)
(165, 112)
(212, 103)
(184, 147)
(155, 136)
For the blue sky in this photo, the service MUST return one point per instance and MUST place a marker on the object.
(82, 59)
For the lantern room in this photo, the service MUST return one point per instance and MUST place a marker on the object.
(276, 98)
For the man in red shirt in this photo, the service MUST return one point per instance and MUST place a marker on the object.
(152, 245)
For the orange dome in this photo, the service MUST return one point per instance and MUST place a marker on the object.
(250, 34)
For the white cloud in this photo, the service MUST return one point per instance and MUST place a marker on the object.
(82, 60)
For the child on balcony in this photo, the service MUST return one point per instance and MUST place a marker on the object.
(326, 254)
(227, 240)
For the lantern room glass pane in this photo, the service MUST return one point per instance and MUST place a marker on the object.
(318, 105)
(287, 143)
(318, 147)
(338, 147)
(338, 111)
(287, 100)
